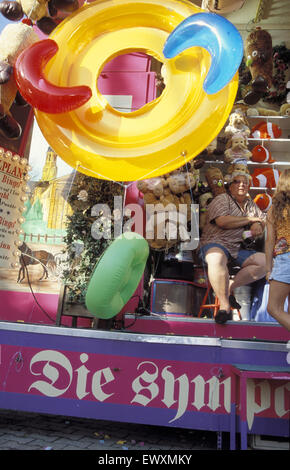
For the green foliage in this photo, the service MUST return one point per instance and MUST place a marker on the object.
(82, 249)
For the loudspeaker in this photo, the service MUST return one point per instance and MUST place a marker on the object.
(175, 297)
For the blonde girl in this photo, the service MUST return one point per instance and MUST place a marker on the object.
(277, 250)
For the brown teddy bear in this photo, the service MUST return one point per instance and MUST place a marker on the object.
(165, 224)
(181, 182)
(161, 227)
(14, 38)
(258, 52)
(169, 198)
(212, 151)
(204, 200)
(152, 189)
(215, 180)
(237, 151)
(157, 193)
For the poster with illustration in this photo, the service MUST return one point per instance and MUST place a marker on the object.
(30, 287)
(43, 216)
(13, 188)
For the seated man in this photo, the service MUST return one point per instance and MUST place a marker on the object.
(228, 215)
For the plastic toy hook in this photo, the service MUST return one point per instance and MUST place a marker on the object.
(215, 34)
(34, 87)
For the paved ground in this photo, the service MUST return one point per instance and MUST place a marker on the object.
(29, 431)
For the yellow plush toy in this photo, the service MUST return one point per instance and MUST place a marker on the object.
(260, 111)
(285, 109)
(14, 38)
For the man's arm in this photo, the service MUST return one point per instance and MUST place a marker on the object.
(231, 221)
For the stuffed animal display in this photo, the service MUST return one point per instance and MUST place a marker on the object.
(46, 14)
(163, 196)
(266, 130)
(265, 178)
(237, 124)
(252, 111)
(285, 109)
(236, 169)
(261, 154)
(215, 180)
(260, 111)
(263, 201)
(237, 132)
(14, 39)
(288, 92)
(204, 200)
(152, 189)
(238, 151)
(222, 6)
(214, 151)
(258, 53)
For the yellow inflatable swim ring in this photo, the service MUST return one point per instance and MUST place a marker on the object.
(165, 133)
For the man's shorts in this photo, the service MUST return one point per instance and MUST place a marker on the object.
(281, 268)
(239, 260)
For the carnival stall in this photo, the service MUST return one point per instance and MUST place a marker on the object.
(121, 121)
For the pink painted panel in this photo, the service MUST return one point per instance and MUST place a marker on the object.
(110, 378)
(22, 307)
(139, 85)
(174, 325)
(135, 62)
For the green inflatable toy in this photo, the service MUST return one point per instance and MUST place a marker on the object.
(117, 275)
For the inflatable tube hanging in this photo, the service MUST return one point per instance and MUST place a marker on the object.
(117, 275)
(200, 52)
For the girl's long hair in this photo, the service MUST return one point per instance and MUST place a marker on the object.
(281, 199)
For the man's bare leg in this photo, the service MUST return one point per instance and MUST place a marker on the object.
(218, 275)
(253, 269)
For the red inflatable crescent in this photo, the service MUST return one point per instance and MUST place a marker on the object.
(36, 90)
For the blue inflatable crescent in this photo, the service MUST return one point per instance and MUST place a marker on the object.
(215, 34)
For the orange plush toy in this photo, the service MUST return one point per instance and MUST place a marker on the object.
(266, 130)
(261, 155)
(267, 178)
(263, 201)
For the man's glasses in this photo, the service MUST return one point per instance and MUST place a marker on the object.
(238, 182)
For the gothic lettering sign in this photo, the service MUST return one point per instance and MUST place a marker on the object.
(173, 391)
